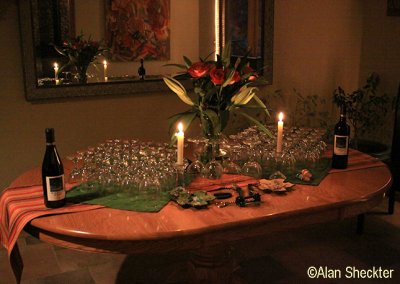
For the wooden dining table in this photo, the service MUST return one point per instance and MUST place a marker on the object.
(209, 233)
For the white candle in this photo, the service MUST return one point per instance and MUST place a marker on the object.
(105, 71)
(56, 71)
(279, 138)
(180, 141)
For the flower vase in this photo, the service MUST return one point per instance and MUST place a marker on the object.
(81, 74)
(212, 135)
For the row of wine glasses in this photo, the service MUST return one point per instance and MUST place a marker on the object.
(253, 153)
(138, 168)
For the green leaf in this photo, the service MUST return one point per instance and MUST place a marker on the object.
(206, 58)
(226, 54)
(228, 79)
(59, 50)
(178, 89)
(256, 122)
(213, 116)
(261, 104)
(244, 96)
(188, 62)
(176, 65)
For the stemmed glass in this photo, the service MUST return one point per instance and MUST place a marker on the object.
(213, 169)
(150, 188)
(75, 174)
(252, 167)
(196, 167)
(229, 165)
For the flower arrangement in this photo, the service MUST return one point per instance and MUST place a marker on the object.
(220, 88)
(80, 53)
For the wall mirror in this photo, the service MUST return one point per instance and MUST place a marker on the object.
(248, 25)
(48, 23)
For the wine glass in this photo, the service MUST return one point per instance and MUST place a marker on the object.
(252, 167)
(150, 188)
(229, 165)
(213, 169)
(196, 168)
(75, 174)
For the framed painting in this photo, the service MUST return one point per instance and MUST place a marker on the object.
(138, 29)
(393, 8)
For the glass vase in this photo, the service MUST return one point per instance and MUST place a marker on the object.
(212, 134)
(81, 73)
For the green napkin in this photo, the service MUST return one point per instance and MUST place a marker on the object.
(114, 196)
(319, 172)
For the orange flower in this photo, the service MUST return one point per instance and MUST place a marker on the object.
(217, 76)
(199, 69)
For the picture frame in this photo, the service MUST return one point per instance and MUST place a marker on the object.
(138, 30)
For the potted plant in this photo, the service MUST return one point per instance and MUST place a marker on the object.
(367, 110)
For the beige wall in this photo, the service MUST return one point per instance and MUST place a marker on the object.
(319, 44)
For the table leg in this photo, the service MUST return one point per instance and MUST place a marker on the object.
(214, 265)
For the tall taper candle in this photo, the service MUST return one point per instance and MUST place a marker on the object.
(180, 144)
(105, 71)
(56, 73)
(279, 138)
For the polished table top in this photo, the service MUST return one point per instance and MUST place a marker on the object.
(341, 194)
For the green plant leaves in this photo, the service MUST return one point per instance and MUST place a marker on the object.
(178, 89)
(244, 95)
(226, 54)
(256, 122)
(188, 62)
(213, 116)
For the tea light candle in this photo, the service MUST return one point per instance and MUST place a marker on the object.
(180, 142)
(105, 71)
(279, 138)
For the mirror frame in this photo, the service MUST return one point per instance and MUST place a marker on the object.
(35, 93)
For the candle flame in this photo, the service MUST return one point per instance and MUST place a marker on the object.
(180, 127)
(55, 65)
(105, 62)
(280, 116)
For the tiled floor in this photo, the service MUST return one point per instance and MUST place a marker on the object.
(279, 258)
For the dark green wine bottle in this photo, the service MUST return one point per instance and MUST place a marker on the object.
(341, 141)
(52, 174)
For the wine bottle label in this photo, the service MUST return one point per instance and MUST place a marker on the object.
(341, 145)
(55, 188)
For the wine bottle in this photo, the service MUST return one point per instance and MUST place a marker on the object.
(341, 141)
(52, 174)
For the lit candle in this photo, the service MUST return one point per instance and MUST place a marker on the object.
(56, 70)
(56, 73)
(105, 71)
(280, 134)
(180, 140)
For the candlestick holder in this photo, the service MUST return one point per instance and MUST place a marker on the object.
(276, 172)
(180, 175)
